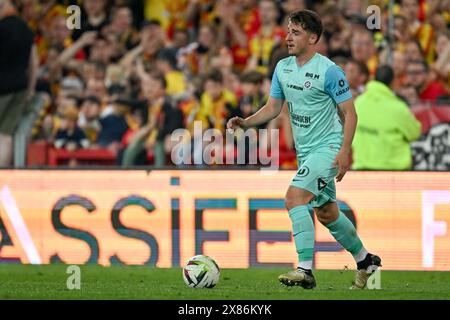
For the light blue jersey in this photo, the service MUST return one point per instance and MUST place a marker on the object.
(312, 93)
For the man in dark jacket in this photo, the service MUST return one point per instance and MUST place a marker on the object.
(18, 66)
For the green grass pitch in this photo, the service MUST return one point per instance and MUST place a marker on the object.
(138, 282)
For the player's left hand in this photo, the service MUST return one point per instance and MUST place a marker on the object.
(342, 161)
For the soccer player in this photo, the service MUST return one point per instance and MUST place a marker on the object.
(316, 91)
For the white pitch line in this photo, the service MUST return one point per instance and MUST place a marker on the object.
(19, 225)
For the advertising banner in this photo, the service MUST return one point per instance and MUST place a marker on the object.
(163, 217)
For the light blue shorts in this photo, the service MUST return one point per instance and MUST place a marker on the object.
(316, 175)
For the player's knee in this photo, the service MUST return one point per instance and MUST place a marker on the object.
(292, 202)
(324, 220)
(325, 217)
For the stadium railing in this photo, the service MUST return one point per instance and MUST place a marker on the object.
(23, 133)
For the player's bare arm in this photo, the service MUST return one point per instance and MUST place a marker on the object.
(268, 112)
(342, 160)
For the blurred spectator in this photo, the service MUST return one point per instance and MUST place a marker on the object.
(160, 119)
(52, 121)
(166, 64)
(414, 50)
(334, 25)
(352, 8)
(59, 60)
(18, 70)
(195, 58)
(137, 116)
(363, 49)
(252, 96)
(421, 31)
(442, 64)
(153, 39)
(69, 135)
(223, 63)
(102, 50)
(241, 21)
(121, 30)
(113, 127)
(208, 52)
(57, 35)
(385, 127)
(399, 63)
(97, 88)
(169, 14)
(217, 105)
(180, 38)
(269, 36)
(94, 19)
(419, 77)
(289, 6)
(93, 70)
(357, 75)
(401, 32)
(89, 118)
(409, 95)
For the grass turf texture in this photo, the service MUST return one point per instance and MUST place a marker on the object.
(137, 282)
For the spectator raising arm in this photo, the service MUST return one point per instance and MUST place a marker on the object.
(86, 39)
(227, 12)
(442, 65)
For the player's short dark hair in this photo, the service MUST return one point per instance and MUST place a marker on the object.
(385, 74)
(308, 20)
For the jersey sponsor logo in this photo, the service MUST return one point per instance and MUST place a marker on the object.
(307, 84)
(341, 92)
(341, 83)
(312, 75)
(301, 121)
(294, 86)
(302, 172)
(287, 70)
(321, 184)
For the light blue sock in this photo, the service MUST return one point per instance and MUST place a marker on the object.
(343, 230)
(303, 230)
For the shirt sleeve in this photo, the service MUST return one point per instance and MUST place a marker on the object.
(411, 127)
(336, 85)
(275, 88)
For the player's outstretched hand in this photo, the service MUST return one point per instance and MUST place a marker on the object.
(342, 161)
(235, 122)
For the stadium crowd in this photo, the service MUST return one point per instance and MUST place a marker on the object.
(136, 70)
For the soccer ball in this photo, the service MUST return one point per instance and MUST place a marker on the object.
(201, 272)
